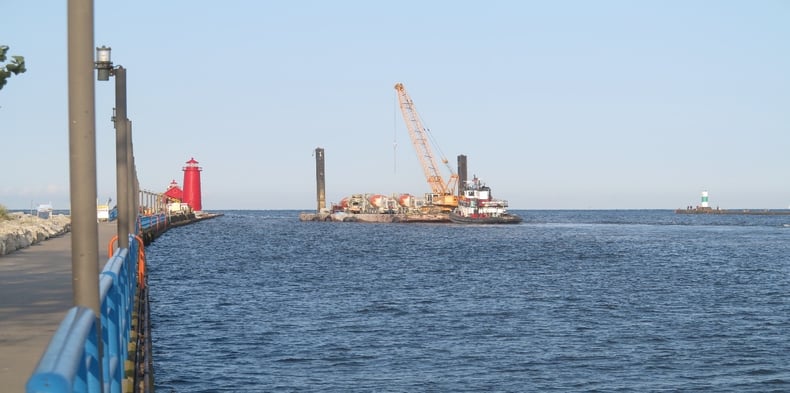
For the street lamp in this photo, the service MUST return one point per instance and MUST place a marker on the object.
(123, 139)
(103, 63)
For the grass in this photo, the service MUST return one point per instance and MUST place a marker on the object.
(4, 213)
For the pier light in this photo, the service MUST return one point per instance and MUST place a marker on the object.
(124, 157)
(704, 199)
(103, 63)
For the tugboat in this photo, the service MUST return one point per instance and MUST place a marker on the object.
(476, 206)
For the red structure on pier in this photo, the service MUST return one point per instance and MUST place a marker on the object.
(192, 185)
(173, 193)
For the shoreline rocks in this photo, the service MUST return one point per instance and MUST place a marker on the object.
(24, 230)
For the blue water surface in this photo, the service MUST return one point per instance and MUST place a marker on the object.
(257, 301)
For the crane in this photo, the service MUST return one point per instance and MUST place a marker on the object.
(442, 193)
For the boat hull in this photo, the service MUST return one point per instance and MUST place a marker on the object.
(503, 219)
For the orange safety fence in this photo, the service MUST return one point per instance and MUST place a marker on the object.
(140, 262)
(111, 245)
(140, 257)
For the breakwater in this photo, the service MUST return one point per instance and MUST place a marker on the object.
(752, 212)
(22, 230)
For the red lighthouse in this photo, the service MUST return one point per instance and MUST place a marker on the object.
(192, 185)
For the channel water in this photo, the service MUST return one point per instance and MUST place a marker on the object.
(257, 301)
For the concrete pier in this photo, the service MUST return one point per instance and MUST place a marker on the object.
(35, 294)
(754, 212)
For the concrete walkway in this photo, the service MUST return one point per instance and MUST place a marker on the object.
(35, 293)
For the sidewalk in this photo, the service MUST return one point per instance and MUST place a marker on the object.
(35, 293)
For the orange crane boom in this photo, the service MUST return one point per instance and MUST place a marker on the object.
(445, 192)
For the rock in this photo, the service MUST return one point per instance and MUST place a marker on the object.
(23, 230)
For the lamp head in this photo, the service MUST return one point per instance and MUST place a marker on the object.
(103, 63)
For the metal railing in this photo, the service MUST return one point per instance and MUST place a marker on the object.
(156, 222)
(75, 360)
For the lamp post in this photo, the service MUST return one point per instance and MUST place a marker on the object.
(82, 156)
(105, 70)
(82, 164)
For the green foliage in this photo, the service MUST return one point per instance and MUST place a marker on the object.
(4, 213)
(15, 67)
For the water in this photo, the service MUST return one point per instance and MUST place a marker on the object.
(256, 301)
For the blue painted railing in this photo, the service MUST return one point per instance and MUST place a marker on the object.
(157, 222)
(72, 361)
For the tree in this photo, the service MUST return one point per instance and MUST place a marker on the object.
(16, 66)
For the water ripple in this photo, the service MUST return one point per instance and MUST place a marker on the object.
(566, 301)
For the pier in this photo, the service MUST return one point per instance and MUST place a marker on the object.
(705, 208)
(74, 309)
(753, 212)
(44, 337)
(35, 293)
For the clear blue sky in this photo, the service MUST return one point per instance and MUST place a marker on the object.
(557, 104)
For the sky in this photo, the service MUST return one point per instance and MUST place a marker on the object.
(556, 104)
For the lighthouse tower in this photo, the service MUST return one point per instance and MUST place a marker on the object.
(192, 185)
(704, 200)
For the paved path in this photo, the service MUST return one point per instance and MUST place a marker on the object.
(35, 293)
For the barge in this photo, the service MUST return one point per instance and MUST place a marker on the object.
(379, 208)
